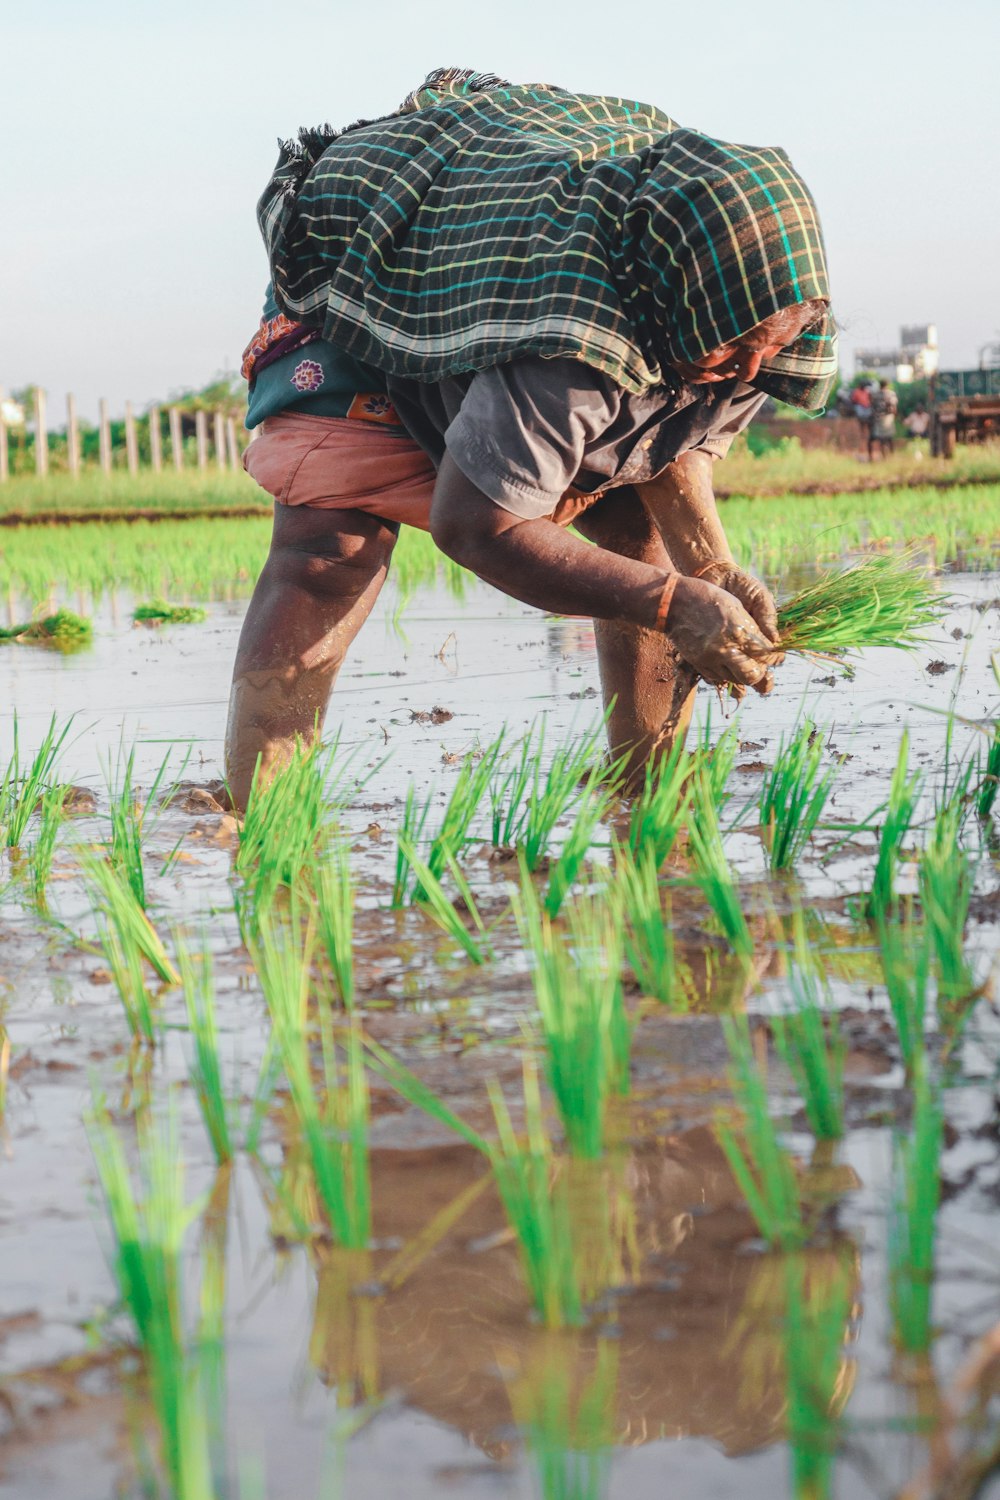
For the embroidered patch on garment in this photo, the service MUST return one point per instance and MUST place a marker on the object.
(307, 375)
(373, 407)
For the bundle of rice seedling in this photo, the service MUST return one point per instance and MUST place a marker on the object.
(158, 612)
(882, 601)
(63, 630)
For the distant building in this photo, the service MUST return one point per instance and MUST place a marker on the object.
(916, 358)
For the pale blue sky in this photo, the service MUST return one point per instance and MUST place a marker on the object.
(136, 138)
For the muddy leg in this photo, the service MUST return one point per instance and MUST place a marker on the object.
(653, 690)
(321, 579)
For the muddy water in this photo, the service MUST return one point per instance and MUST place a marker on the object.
(430, 1331)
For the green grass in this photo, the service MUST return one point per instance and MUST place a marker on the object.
(565, 869)
(438, 905)
(913, 1219)
(946, 878)
(63, 631)
(649, 938)
(809, 1041)
(128, 941)
(334, 913)
(159, 612)
(793, 796)
(148, 1224)
(41, 853)
(469, 792)
(659, 811)
(881, 601)
(763, 1169)
(529, 801)
(129, 816)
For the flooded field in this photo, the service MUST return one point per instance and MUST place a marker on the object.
(682, 1284)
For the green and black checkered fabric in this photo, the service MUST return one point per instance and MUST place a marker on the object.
(485, 222)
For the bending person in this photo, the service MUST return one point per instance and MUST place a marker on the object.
(497, 314)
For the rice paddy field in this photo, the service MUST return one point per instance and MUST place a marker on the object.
(454, 1125)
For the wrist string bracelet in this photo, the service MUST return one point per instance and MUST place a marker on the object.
(663, 608)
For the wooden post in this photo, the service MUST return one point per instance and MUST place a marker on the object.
(174, 417)
(131, 446)
(155, 441)
(104, 431)
(72, 437)
(219, 439)
(231, 444)
(201, 436)
(41, 435)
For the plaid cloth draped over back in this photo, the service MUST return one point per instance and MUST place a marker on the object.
(483, 222)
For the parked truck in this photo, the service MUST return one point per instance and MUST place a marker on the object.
(965, 408)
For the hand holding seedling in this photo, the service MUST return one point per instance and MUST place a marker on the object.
(718, 638)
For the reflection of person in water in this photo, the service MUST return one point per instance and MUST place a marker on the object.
(499, 313)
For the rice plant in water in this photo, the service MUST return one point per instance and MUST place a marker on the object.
(905, 949)
(437, 903)
(128, 941)
(913, 1219)
(537, 1210)
(793, 796)
(470, 790)
(904, 791)
(159, 612)
(25, 781)
(411, 828)
(565, 868)
(810, 1044)
(568, 1421)
(333, 1119)
(763, 1169)
(205, 1068)
(41, 854)
(712, 763)
(946, 877)
(128, 819)
(585, 1027)
(529, 802)
(63, 630)
(649, 938)
(990, 782)
(882, 601)
(711, 871)
(334, 913)
(817, 1316)
(148, 1224)
(659, 811)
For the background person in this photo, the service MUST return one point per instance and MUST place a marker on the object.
(885, 405)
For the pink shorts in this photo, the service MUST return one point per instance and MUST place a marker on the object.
(343, 463)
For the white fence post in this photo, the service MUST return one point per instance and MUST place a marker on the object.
(174, 417)
(131, 446)
(155, 440)
(41, 435)
(72, 437)
(104, 438)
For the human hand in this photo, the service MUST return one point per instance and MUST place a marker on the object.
(755, 597)
(718, 637)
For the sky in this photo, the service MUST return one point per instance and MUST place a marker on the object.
(135, 139)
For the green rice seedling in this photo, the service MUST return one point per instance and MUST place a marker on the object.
(565, 869)
(989, 784)
(913, 1219)
(659, 811)
(946, 878)
(205, 1068)
(438, 905)
(52, 813)
(334, 913)
(148, 1225)
(816, 1323)
(158, 612)
(334, 1120)
(411, 829)
(25, 782)
(64, 631)
(471, 788)
(711, 871)
(584, 1024)
(416, 1092)
(649, 938)
(129, 818)
(763, 1169)
(884, 600)
(113, 897)
(528, 804)
(128, 972)
(793, 796)
(904, 790)
(714, 763)
(568, 1423)
(809, 1041)
(210, 1333)
(286, 822)
(536, 1207)
(905, 948)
